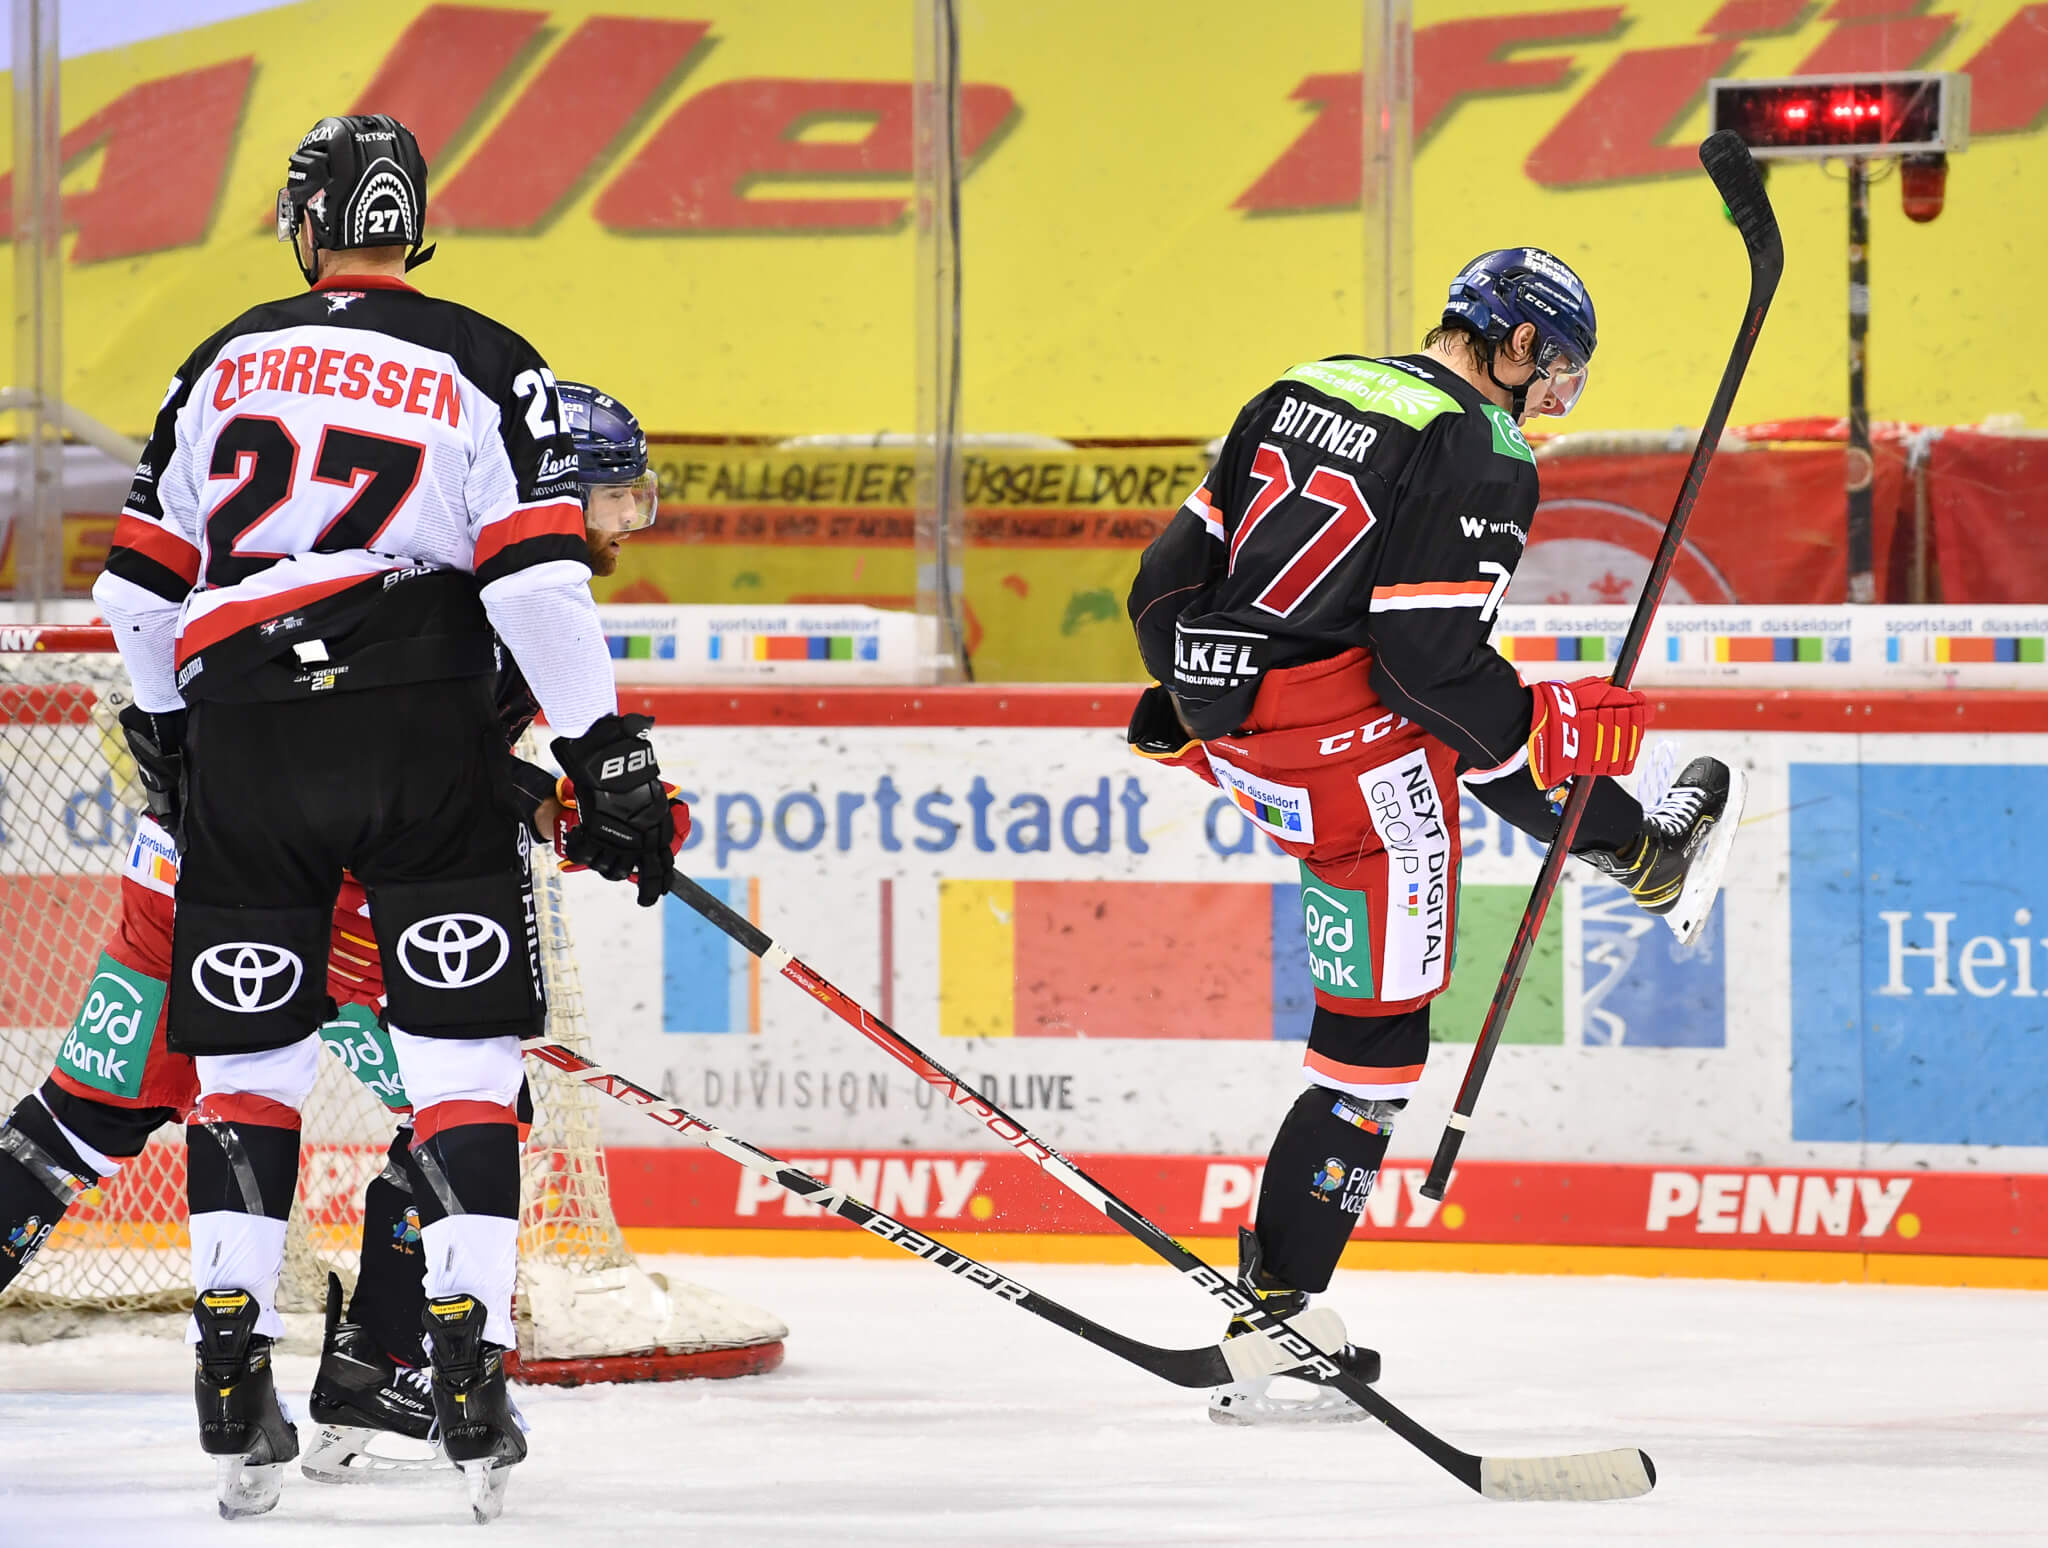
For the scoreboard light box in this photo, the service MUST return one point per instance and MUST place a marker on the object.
(1905, 113)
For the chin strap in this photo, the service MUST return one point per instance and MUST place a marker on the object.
(1520, 394)
(413, 260)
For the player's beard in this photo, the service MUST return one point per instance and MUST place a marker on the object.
(604, 551)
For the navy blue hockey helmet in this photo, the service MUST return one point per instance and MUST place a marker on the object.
(611, 452)
(1499, 291)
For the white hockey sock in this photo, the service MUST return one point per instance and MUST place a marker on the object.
(475, 1255)
(234, 1251)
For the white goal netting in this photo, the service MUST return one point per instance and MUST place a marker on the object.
(586, 1309)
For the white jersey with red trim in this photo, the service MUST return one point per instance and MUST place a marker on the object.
(350, 488)
(1356, 504)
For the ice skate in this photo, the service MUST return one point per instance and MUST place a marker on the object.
(1249, 1400)
(375, 1417)
(481, 1432)
(1674, 868)
(242, 1426)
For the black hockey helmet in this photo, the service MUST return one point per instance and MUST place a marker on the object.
(358, 181)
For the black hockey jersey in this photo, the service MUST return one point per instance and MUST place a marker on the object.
(1380, 504)
(350, 488)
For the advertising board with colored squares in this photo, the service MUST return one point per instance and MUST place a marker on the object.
(1116, 949)
(842, 644)
(1831, 648)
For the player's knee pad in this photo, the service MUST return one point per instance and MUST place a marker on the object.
(461, 958)
(103, 1134)
(42, 1173)
(242, 1144)
(242, 1157)
(466, 1123)
(1318, 1176)
(1373, 1058)
(468, 1167)
(246, 978)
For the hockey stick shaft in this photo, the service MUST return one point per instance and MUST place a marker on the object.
(1729, 163)
(1599, 1475)
(1203, 1367)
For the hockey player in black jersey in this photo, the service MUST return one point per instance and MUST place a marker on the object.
(1317, 616)
(371, 1381)
(350, 498)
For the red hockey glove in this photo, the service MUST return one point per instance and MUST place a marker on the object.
(565, 824)
(1156, 732)
(1586, 727)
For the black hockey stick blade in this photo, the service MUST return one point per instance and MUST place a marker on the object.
(1741, 185)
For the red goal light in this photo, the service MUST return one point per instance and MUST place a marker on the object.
(1904, 113)
(1923, 186)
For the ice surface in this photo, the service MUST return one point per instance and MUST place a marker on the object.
(913, 1409)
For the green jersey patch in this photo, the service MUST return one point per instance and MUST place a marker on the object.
(1377, 389)
(1508, 439)
(1339, 931)
(355, 1038)
(108, 1044)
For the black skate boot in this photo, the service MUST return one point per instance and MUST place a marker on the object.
(1248, 1399)
(480, 1429)
(376, 1417)
(242, 1426)
(1673, 868)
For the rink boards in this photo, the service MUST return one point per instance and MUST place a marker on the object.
(1504, 1215)
(1111, 950)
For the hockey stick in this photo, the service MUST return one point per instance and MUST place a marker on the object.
(1734, 172)
(1209, 1366)
(1599, 1475)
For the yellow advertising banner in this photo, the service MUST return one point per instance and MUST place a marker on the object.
(707, 210)
(1052, 543)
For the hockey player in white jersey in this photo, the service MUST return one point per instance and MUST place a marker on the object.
(345, 495)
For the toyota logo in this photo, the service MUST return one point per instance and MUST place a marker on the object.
(255, 976)
(452, 942)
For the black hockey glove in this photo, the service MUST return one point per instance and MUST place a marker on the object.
(157, 741)
(1156, 730)
(625, 825)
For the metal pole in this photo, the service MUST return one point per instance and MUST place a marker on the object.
(1859, 466)
(941, 527)
(38, 451)
(1387, 93)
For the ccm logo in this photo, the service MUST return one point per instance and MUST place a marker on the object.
(627, 763)
(1567, 711)
(1344, 741)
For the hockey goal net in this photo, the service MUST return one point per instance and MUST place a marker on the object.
(586, 1310)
